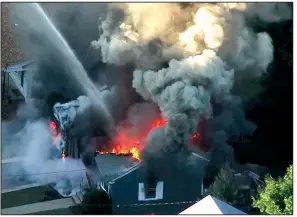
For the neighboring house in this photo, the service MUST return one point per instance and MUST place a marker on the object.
(21, 195)
(246, 183)
(36, 199)
(10, 167)
(16, 81)
(248, 180)
(123, 179)
(211, 206)
(171, 191)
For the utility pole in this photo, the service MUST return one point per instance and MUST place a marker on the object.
(3, 73)
(3, 84)
(3, 97)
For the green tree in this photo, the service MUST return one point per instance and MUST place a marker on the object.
(276, 197)
(227, 189)
(96, 202)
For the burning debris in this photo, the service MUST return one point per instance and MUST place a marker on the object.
(124, 144)
(65, 115)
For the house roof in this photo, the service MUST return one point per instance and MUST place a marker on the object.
(34, 208)
(13, 160)
(137, 165)
(199, 156)
(126, 173)
(19, 196)
(18, 67)
(113, 166)
(211, 205)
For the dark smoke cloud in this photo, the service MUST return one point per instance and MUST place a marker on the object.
(52, 79)
(207, 50)
(77, 23)
(186, 58)
(28, 134)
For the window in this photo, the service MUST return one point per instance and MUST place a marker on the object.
(22, 78)
(202, 187)
(150, 192)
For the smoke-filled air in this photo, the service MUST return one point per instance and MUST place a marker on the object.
(158, 80)
(187, 59)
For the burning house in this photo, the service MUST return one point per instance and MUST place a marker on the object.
(110, 160)
(135, 191)
(75, 133)
(151, 90)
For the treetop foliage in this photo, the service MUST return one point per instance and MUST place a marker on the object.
(276, 197)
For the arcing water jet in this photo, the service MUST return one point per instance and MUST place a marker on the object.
(41, 24)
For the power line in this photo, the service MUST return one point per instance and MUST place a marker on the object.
(137, 205)
(55, 172)
(37, 174)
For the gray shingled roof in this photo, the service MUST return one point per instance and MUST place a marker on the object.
(112, 166)
(113, 169)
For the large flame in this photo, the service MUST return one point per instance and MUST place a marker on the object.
(124, 144)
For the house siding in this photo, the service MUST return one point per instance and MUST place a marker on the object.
(124, 193)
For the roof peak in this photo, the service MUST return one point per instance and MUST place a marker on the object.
(140, 163)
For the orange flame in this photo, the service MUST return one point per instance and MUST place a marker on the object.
(63, 155)
(53, 126)
(124, 144)
(134, 151)
(159, 123)
(195, 136)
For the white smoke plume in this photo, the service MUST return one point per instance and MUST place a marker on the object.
(30, 139)
(149, 35)
(208, 48)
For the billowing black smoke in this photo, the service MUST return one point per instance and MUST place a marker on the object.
(52, 82)
(209, 51)
(195, 61)
(52, 79)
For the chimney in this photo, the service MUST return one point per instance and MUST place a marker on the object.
(89, 161)
(150, 185)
